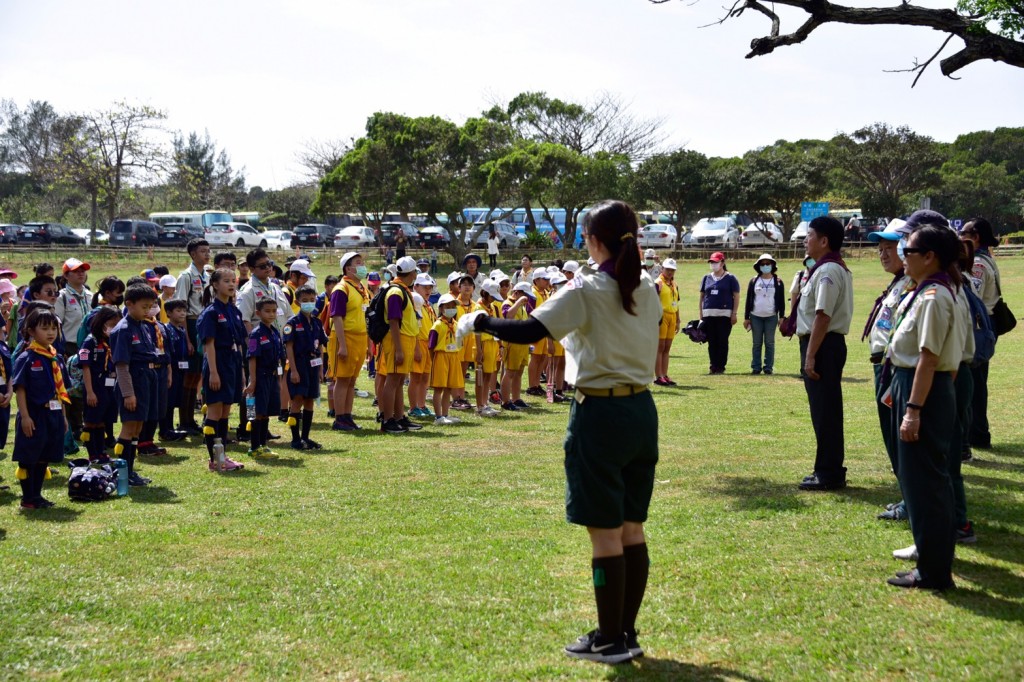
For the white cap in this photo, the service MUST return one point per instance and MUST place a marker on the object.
(424, 280)
(446, 298)
(591, 263)
(499, 276)
(417, 301)
(343, 261)
(524, 287)
(454, 277)
(494, 272)
(541, 273)
(405, 265)
(650, 253)
(669, 263)
(168, 281)
(302, 267)
(393, 269)
(558, 278)
(570, 266)
(492, 288)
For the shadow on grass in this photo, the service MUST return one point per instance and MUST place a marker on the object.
(162, 460)
(3, 534)
(993, 465)
(762, 495)
(289, 462)
(244, 473)
(52, 515)
(151, 494)
(999, 543)
(877, 496)
(993, 483)
(1008, 589)
(678, 388)
(1003, 450)
(648, 668)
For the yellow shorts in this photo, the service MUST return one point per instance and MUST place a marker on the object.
(541, 347)
(469, 348)
(387, 355)
(422, 366)
(517, 356)
(556, 348)
(356, 344)
(490, 356)
(446, 371)
(667, 330)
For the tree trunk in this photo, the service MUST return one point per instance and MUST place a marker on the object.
(94, 209)
(531, 223)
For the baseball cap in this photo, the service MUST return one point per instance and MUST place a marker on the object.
(541, 273)
(168, 281)
(492, 288)
(373, 276)
(650, 253)
(446, 298)
(669, 264)
(302, 267)
(717, 257)
(570, 266)
(422, 261)
(405, 265)
(150, 275)
(74, 264)
(424, 280)
(499, 276)
(346, 258)
(558, 278)
(896, 230)
(926, 217)
(525, 288)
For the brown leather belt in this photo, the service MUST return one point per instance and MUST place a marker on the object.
(613, 392)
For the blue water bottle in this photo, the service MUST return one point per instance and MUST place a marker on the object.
(121, 467)
(250, 407)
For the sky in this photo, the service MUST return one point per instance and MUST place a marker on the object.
(266, 78)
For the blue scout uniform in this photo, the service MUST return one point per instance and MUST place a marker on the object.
(176, 346)
(266, 346)
(96, 357)
(6, 367)
(158, 332)
(131, 342)
(307, 335)
(34, 373)
(222, 322)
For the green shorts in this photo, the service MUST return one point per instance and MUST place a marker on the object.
(611, 449)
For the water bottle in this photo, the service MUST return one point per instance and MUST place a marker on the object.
(218, 454)
(121, 467)
(250, 407)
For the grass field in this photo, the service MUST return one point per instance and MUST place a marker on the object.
(444, 555)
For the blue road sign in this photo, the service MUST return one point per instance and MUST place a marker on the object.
(809, 210)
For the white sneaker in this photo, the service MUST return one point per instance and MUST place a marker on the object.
(442, 421)
(453, 420)
(362, 394)
(491, 412)
(907, 553)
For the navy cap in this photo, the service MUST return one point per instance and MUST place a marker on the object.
(926, 217)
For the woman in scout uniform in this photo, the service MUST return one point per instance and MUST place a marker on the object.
(38, 380)
(347, 344)
(668, 294)
(420, 378)
(99, 379)
(446, 367)
(607, 320)
(987, 284)
(925, 350)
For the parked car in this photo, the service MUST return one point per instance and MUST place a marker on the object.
(389, 232)
(278, 239)
(312, 235)
(179, 234)
(716, 232)
(99, 239)
(508, 237)
(48, 233)
(657, 236)
(800, 233)
(434, 237)
(858, 231)
(761, 234)
(355, 236)
(9, 234)
(134, 233)
(235, 234)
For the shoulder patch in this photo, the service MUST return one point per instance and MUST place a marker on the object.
(287, 329)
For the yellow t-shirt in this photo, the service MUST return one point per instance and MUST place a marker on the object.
(446, 341)
(355, 309)
(410, 325)
(427, 321)
(669, 295)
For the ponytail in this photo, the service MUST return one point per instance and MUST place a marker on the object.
(615, 224)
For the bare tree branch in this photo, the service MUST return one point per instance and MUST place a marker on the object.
(920, 68)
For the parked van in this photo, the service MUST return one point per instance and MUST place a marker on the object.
(134, 233)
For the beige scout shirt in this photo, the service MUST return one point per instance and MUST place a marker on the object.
(928, 323)
(964, 322)
(878, 338)
(985, 278)
(830, 290)
(255, 291)
(604, 345)
(190, 288)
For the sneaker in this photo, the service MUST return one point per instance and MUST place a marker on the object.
(633, 645)
(267, 452)
(906, 554)
(374, 402)
(535, 391)
(510, 407)
(520, 404)
(393, 427)
(453, 420)
(660, 381)
(461, 404)
(137, 481)
(495, 398)
(172, 436)
(330, 413)
(190, 429)
(755, 372)
(362, 394)
(298, 444)
(342, 425)
(415, 412)
(593, 647)
(443, 421)
(894, 512)
(769, 372)
(426, 413)
(965, 535)
(490, 411)
(242, 435)
(151, 450)
(966, 455)
(408, 425)
(559, 397)
(232, 465)
(312, 444)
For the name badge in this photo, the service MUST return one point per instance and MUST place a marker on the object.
(159, 351)
(316, 362)
(714, 292)
(182, 364)
(55, 405)
(110, 381)
(675, 304)
(452, 347)
(280, 370)
(365, 307)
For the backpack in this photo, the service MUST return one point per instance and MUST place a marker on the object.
(981, 324)
(75, 377)
(91, 484)
(377, 315)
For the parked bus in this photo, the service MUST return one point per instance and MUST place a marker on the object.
(201, 218)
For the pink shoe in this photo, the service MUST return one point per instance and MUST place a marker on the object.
(232, 465)
(551, 394)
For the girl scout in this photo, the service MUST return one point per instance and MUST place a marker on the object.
(668, 294)
(446, 367)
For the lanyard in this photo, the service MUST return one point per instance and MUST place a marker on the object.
(79, 299)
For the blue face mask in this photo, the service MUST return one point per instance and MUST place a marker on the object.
(308, 307)
(808, 263)
(361, 271)
(766, 269)
(900, 245)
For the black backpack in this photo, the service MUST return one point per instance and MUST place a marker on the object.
(91, 484)
(377, 315)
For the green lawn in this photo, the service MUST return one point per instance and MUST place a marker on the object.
(444, 555)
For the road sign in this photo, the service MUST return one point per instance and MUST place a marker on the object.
(809, 210)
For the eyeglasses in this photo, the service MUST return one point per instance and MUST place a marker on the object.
(915, 249)
(264, 265)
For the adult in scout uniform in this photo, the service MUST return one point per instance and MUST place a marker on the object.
(765, 305)
(925, 350)
(72, 306)
(189, 288)
(668, 294)
(986, 281)
(471, 264)
(823, 320)
(877, 331)
(261, 286)
(346, 347)
(608, 321)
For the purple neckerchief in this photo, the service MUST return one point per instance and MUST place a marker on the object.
(830, 257)
(878, 304)
(608, 268)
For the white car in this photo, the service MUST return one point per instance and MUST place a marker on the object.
(278, 239)
(800, 233)
(100, 239)
(235, 234)
(355, 236)
(762, 234)
(657, 236)
(716, 232)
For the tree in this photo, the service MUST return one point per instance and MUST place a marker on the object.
(989, 29)
(885, 165)
(28, 142)
(676, 181)
(202, 176)
(320, 157)
(288, 206)
(782, 176)
(366, 180)
(985, 190)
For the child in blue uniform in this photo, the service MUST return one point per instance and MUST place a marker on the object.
(38, 380)
(133, 352)
(176, 345)
(304, 339)
(221, 333)
(266, 353)
(99, 379)
(158, 332)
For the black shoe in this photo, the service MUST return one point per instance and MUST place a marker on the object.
(912, 579)
(330, 413)
(593, 647)
(815, 483)
(966, 455)
(312, 444)
(135, 480)
(633, 645)
(190, 429)
(510, 407)
(769, 372)
(172, 436)
(408, 425)
(755, 371)
(520, 404)
(392, 426)
(535, 391)
(374, 402)
(282, 418)
(298, 445)
(43, 503)
(558, 397)
(965, 535)
(241, 434)
(273, 436)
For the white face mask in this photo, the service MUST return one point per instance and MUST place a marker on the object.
(450, 312)
(716, 267)
(154, 311)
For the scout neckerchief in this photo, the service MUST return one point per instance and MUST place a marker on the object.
(671, 285)
(878, 304)
(358, 286)
(58, 378)
(830, 257)
(102, 345)
(158, 335)
(79, 298)
(940, 278)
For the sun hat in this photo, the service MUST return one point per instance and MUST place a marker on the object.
(558, 278)
(74, 264)
(650, 253)
(896, 230)
(492, 288)
(168, 281)
(717, 257)
(405, 265)
(669, 264)
(525, 288)
(541, 273)
(9, 274)
(570, 266)
(7, 287)
(454, 277)
(343, 261)
(468, 256)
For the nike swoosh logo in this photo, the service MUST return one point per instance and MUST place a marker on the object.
(594, 648)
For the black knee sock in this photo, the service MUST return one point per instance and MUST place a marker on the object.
(167, 421)
(209, 433)
(294, 421)
(307, 423)
(638, 565)
(222, 429)
(122, 449)
(256, 434)
(264, 427)
(187, 411)
(148, 431)
(609, 589)
(93, 443)
(36, 476)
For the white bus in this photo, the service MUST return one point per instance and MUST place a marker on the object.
(201, 218)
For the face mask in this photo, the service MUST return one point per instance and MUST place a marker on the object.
(361, 271)
(649, 262)
(809, 263)
(450, 312)
(308, 307)
(766, 269)
(900, 245)
(387, 276)
(716, 267)
(154, 311)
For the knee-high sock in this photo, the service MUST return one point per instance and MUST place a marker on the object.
(187, 411)
(148, 431)
(36, 476)
(294, 422)
(638, 565)
(609, 590)
(209, 433)
(93, 445)
(256, 435)
(307, 423)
